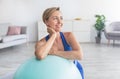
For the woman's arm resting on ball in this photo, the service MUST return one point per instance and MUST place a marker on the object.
(76, 52)
(42, 47)
(72, 55)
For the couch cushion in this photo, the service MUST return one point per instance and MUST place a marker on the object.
(115, 26)
(13, 37)
(14, 30)
(114, 33)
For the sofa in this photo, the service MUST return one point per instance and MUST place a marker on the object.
(7, 39)
(112, 32)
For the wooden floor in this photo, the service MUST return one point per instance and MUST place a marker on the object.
(100, 60)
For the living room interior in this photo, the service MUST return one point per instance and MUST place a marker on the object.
(100, 60)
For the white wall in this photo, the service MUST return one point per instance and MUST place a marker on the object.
(28, 12)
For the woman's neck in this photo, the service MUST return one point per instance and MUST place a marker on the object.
(58, 36)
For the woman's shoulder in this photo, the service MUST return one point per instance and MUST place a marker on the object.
(41, 41)
(67, 34)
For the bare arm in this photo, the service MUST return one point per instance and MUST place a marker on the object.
(72, 55)
(42, 47)
(76, 52)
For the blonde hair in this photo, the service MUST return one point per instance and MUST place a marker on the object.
(48, 12)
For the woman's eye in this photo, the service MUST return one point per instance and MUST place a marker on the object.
(61, 18)
(55, 18)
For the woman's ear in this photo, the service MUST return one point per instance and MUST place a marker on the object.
(46, 22)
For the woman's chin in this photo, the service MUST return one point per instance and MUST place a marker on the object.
(58, 30)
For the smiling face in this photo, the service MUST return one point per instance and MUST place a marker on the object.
(55, 21)
(52, 17)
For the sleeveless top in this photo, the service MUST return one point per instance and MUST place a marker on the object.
(67, 47)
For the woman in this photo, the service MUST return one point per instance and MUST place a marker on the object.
(58, 43)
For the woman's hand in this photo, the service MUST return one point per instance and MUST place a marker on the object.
(51, 31)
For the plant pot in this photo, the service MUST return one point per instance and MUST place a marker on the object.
(98, 40)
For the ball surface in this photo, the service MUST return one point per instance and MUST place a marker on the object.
(52, 67)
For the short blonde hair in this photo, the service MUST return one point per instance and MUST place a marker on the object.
(48, 12)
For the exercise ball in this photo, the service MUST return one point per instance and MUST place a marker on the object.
(51, 67)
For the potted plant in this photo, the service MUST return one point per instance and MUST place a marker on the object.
(99, 26)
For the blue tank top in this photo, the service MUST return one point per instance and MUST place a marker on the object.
(67, 47)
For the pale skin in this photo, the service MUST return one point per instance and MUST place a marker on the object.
(54, 45)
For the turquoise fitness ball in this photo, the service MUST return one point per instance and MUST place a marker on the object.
(52, 67)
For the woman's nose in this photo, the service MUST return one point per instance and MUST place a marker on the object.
(59, 20)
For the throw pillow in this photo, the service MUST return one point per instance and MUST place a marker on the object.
(14, 30)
